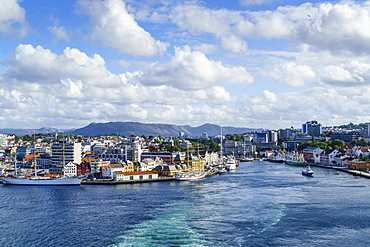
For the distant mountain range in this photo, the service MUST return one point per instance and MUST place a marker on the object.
(135, 128)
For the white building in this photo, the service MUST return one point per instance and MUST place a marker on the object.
(70, 170)
(135, 176)
(63, 153)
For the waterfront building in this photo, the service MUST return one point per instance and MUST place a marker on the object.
(358, 165)
(107, 171)
(312, 154)
(96, 167)
(70, 169)
(135, 176)
(327, 157)
(83, 168)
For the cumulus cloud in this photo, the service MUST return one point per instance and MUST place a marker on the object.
(197, 20)
(340, 27)
(113, 26)
(73, 85)
(266, 98)
(190, 70)
(36, 64)
(11, 15)
(292, 74)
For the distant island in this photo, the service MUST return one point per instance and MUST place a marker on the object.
(136, 128)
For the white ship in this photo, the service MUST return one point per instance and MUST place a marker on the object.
(41, 181)
(188, 177)
(230, 164)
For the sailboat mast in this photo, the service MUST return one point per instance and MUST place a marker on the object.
(34, 153)
(222, 159)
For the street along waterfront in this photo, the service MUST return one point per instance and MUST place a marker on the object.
(259, 204)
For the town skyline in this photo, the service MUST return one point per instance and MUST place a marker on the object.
(255, 64)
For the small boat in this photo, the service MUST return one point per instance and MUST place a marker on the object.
(222, 170)
(307, 172)
(246, 159)
(187, 177)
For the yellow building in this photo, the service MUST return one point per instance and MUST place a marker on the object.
(358, 165)
(194, 162)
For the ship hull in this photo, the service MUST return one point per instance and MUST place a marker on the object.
(42, 182)
(296, 163)
(190, 177)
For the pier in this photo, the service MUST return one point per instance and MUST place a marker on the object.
(346, 170)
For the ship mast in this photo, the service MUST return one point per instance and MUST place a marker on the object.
(222, 158)
(34, 153)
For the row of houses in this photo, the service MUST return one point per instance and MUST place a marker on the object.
(338, 158)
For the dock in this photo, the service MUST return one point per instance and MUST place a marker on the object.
(112, 182)
(346, 170)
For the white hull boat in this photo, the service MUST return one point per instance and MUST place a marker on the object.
(42, 181)
(230, 164)
(190, 177)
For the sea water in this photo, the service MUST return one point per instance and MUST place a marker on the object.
(260, 204)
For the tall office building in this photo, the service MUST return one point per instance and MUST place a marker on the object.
(63, 153)
(312, 128)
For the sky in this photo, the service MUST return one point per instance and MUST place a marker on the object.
(267, 64)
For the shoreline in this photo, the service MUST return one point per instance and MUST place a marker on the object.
(346, 170)
(165, 179)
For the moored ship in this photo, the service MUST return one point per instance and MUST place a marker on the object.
(41, 181)
(187, 177)
(230, 164)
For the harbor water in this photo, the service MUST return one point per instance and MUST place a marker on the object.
(260, 204)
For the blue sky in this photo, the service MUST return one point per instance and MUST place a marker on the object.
(245, 63)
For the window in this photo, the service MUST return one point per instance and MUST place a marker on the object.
(150, 176)
(140, 177)
(131, 177)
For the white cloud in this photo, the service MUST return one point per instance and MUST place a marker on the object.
(197, 20)
(60, 32)
(11, 13)
(36, 64)
(292, 74)
(340, 27)
(266, 98)
(191, 70)
(114, 27)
